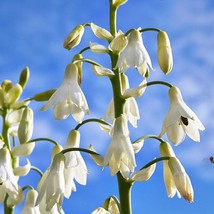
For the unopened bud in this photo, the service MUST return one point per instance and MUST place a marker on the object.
(101, 32)
(164, 52)
(25, 129)
(6, 85)
(44, 96)
(74, 37)
(166, 150)
(13, 94)
(24, 76)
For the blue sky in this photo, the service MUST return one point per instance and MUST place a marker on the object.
(32, 34)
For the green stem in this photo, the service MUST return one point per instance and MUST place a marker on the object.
(43, 139)
(7, 210)
(91, 120)
(159, 83)
(125, 188)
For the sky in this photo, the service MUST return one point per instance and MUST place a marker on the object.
(32, 34)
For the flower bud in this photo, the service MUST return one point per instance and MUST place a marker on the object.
(44, 96)
(74, 37)
(101, 71)
(164, 52)
(101, 32)
(6, 85)
(24, 76)
(2, 93)
(25, 129)
(13, 94)
(23, 149)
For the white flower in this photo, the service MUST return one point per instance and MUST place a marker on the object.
(75, 167)
(180, 120)
(68, 98)
(53, 186)
(135, 54)
(175, 177)
(181, 179)
(8, 180)
(29, 207)
(120, 153)
(100, 210)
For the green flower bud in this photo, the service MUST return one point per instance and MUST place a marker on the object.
(164, 52)
(6, 85)
(2, 93)
(13, 94)
(25, 129)
(24, 76)
(44, 96)
(74, 37)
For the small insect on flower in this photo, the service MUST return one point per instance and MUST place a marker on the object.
(184, 121)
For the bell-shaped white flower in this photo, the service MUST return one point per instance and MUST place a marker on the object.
(8, 180)
(68, 98)
(29, 206)
(167, 151)
(120, 153)
(75, 167)
(53, 187)
(181, 179)
(180, 120)
(134, 54)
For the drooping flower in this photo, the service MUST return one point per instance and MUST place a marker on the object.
(75, 167)
(180, 120)
(175, 177)
(8, 180)
(134, 54)
(181, 179)
(120, 153)
(53, 186)
(68, 98)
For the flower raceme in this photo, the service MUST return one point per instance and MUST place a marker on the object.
(120, 153)
(68, 98)
(180, 120)
(134, 54)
